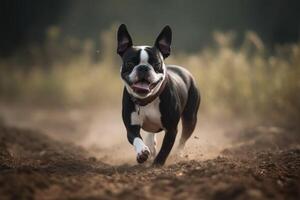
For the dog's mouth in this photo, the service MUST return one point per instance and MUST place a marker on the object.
(143, 86)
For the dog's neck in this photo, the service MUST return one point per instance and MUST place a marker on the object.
(145, 101)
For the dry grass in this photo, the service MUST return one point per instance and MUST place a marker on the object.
(234, 82)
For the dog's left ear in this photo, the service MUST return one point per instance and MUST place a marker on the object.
(163, 41)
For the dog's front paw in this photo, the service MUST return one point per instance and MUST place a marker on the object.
(143, 155)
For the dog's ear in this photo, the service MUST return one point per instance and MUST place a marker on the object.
(124, 40)
(163, 41)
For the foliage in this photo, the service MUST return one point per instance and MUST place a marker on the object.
(234, 82)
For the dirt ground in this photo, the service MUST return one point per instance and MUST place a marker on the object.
(71, 154)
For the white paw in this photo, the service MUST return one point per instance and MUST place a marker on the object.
(142, 151)
(143, 155)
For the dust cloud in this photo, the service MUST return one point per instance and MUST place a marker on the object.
(101, 131)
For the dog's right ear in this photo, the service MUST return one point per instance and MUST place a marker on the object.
(124, 40)
(163, 41)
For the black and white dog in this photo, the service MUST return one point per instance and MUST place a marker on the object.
(155, 96)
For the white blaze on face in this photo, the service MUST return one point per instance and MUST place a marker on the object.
(153, 76)
(144, 57)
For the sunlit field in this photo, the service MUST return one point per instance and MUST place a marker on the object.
(247, 81)
(65, 132)
(62, 136)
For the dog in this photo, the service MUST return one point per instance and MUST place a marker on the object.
(155, 96)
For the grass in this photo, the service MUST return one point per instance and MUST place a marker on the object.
(243, 81)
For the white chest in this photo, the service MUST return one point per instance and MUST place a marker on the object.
(148, 116)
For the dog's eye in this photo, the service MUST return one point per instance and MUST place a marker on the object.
(129, 64)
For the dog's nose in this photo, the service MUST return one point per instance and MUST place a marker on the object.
(143, 68)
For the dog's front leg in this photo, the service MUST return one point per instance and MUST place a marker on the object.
(166, 147)
(134, 137)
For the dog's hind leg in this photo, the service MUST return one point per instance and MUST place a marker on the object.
(189, 114)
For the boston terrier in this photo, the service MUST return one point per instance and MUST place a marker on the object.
(156, 96)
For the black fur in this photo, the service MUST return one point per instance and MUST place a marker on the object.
(176, 101)
(179, 97)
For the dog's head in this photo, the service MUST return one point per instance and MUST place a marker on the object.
(143, 69)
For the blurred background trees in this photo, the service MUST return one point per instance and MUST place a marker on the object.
(24, 22)
(245, 54)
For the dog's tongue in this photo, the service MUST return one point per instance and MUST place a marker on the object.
(141, 87)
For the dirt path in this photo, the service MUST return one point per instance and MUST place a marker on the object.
(219, 163)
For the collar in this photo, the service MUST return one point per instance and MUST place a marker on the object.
(143, 102)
